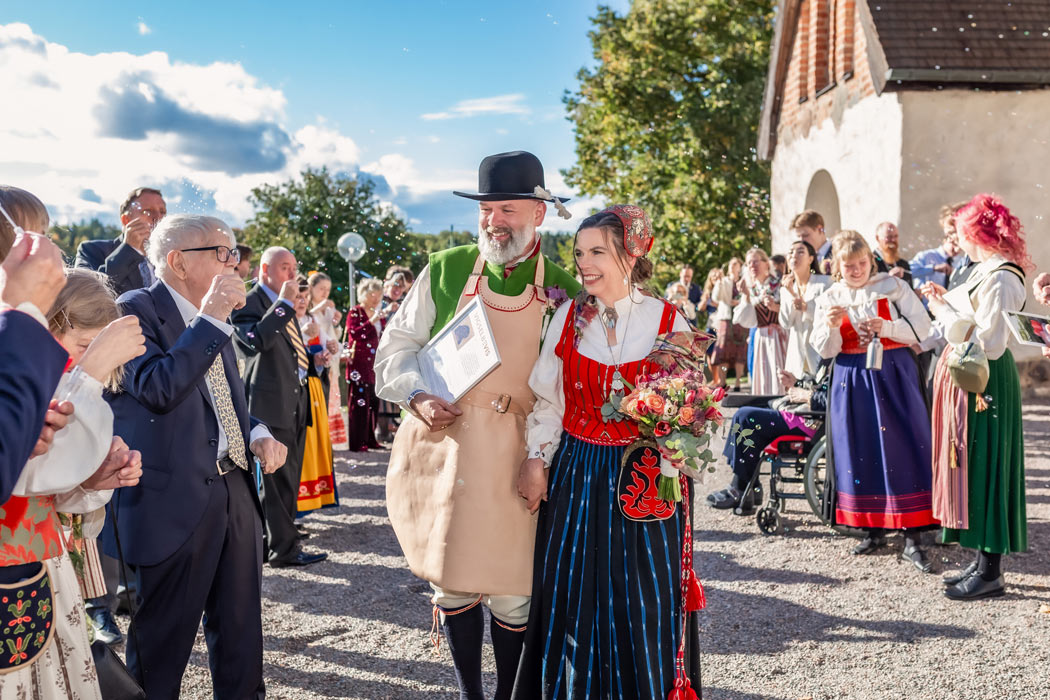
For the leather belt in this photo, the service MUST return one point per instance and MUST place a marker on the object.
(500, 403)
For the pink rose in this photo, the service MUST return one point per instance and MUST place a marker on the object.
(655, 403)
(686, 415)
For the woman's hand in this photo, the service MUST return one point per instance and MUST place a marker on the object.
(117, 343)
(770, 303)
(787, 380)
(1041, 287)
(121, 467)
(741, 286)
(933, 292)
(532, 483)
(872, 326)
(834, 315)
(799, 303)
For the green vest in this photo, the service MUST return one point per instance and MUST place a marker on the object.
(450, 269)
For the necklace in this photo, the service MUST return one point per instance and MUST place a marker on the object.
(609, 318)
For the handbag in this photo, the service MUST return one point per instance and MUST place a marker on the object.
(114, 679)
(968, 367)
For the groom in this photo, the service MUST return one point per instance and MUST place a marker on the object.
(451, 484)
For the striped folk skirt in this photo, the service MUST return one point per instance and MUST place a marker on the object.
(881, 443)
(606, 608)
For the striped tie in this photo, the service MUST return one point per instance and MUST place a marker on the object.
(297, 343)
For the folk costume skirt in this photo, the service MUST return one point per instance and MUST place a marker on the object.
(881, 443)
(995, 460)
(770, 346)
(317, 483)
(363, 405)
(731, 345)
(606, 601)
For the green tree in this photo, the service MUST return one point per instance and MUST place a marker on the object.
(667, 119)
(307, 215)
(69, 237)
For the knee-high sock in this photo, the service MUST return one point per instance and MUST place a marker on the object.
(507, 641)
(464, 629)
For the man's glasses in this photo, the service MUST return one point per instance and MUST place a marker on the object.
(222, 253)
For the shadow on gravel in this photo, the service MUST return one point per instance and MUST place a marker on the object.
(724, 694)
(715, 566)
(741, 623)
(334, 686)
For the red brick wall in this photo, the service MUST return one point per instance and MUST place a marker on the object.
(828, 47)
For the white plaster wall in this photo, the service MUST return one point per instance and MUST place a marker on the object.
(862, 152)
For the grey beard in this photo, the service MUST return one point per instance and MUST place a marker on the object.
(503, 253)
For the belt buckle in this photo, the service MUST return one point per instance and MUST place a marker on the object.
(501, 403)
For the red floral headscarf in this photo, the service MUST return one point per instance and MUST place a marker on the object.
(637, 229)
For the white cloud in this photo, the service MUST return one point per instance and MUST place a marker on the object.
(500, 104)
(144, 28)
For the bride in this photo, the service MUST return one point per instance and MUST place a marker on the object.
(607, 610)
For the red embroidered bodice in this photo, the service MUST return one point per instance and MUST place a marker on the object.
(851, 344)
(586, 384)
(29, 530)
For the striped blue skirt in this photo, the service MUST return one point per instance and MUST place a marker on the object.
(606, 602)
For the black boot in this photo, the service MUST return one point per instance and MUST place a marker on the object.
(506, 647)
(464, 629)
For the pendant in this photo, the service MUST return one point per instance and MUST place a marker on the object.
(617, 381)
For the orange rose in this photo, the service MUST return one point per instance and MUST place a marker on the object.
(686, 415)
(655, 402)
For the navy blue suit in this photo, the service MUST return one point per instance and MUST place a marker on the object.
(32, 364)
(115, 259)
(192, 536)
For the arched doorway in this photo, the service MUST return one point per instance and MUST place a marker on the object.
(824, 198)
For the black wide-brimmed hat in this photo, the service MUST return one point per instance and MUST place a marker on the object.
(511, 175)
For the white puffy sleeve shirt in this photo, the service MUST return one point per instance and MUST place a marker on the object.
(801, 357)
(982, 319)
(637, 325)
(910, 326)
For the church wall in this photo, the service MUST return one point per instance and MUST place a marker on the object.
(861, 150)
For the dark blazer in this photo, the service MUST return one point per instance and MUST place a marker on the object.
(271, 369)
(164, 412)
(32, 364)
(115, 259)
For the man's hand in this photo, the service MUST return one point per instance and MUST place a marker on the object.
(333, 347)
(437, 413)
(289, 291)
(121, 467)
(1041, 287)
(56, 418)
(271, 454)
(137, 232)
(897, 272)
(117, 343)
(33, 271)
(943, 268)
(225, 294)
(532, 483)
(310, 330)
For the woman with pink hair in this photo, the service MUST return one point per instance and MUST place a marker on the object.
(978, 444)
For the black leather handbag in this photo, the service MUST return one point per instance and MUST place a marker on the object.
(114, 679)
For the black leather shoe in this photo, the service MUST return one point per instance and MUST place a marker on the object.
(917, 558)
(716, 495)
(300, 559)
(726, 499)
(973, 587)
(958, 578)
(106, 630)
(869, 545)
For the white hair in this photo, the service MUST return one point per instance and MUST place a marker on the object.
(182, 231)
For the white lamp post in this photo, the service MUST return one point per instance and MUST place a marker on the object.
(351, 247)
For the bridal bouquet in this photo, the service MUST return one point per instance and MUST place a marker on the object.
(673, 407)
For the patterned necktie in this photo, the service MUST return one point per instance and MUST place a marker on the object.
(297, 343)
(220, 391)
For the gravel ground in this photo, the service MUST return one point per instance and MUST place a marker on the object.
(789, 617)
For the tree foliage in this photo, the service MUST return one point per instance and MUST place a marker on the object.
(668, 118)
(307, 215)
(69, 237)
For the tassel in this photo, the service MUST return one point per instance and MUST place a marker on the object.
(979, 403)
(694, 595)
(683, 690)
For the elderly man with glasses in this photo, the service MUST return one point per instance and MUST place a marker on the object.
(192, 529)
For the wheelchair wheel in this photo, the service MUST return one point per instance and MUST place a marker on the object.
(814, 475)
(768, 521)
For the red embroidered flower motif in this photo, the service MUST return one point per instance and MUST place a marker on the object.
(642, 500)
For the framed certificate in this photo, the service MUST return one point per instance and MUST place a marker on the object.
(1029, 329)
(462, 354)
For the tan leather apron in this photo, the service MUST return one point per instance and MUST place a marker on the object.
(452, 495)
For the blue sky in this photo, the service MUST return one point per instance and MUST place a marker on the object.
(210, 99)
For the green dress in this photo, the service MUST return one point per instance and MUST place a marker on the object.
(995, 452)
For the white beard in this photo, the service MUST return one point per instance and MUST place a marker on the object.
(503, 253)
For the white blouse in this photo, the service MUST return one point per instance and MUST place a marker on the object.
(637, 325)
(76, 453)
(996, 291)
(802, 358)
(862, 304)
(722, 294)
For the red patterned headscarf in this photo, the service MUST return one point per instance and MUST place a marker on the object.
(637, 229)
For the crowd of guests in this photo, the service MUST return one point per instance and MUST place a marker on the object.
(170, 424)
(882, 352)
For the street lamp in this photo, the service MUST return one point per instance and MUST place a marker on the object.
(351, 248)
